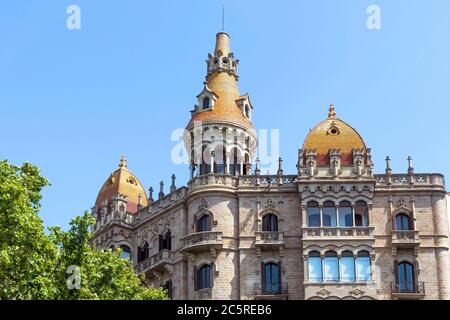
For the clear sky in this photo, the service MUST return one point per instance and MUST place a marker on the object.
(73, 101)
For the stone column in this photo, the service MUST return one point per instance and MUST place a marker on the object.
(440, 220)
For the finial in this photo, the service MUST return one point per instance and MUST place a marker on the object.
(388, 165)
(161, 190)
(280, 167)
(123, 162)
(139, 200)
(331, 112)
(173, 188)
(150, 195)
(257, 170)
(410, 165)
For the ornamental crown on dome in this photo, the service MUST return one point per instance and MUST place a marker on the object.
(222, 60)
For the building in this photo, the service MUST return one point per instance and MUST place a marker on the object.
(331, 230)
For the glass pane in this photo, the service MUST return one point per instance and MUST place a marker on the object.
(348, 269)
(313, 216)
(329, 216)
(331, 269)
(363, 268)
(315, 269)
(345, 217)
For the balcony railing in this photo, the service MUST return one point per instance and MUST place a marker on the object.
(151, 263)
(408, 288)
(405, 235)
(273, 289)
(204, 294)
(336, 232)
(202, 241)
(269, 238)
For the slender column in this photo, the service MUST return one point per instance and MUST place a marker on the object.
(353, 214)
(212, 162)
(321, 213)
(322, 259)
(336, 212)
(304, 216)
(355, 265)
(227, 164)
(241, 168)
(199, 166)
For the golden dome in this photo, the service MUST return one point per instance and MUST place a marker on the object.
(224, 85)
(333, 133)
(124, 182)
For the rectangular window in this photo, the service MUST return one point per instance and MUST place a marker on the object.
(315, 269)
(348, 269)
(331, 269)
(363, 267)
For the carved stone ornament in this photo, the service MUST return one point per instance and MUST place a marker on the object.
(323, 292)
(356, 292)
(203, 204)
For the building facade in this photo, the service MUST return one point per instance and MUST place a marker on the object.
(331, 230)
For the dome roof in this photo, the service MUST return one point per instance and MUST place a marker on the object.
(224, 85)
(124, 182)
(333, 133)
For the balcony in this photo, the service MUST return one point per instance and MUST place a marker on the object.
(326, 233)
(202, 241)
(269, 239)
(408, 291)
(157, 262)
(276, 292)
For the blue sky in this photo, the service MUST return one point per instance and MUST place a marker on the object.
(73, 101)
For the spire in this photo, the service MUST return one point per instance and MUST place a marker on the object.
(331, 112)
(123, 162)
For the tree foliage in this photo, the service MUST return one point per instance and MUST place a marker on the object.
(58, 264)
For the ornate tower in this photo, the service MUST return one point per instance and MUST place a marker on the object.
(220, 137)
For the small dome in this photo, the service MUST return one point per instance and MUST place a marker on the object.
(124, 182)
(333, 133)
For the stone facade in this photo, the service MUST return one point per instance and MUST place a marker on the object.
(331, 230)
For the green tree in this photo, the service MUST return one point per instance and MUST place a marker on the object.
(35, 265)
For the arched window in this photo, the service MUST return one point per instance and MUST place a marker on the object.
(165, 241)
(206, 103)
(345, 214)
(363, 266)
(402, 222)
(329, 214)
(313, 213)
(405, 277)
(271, 278)
(315, 267)
(348, 267)
(219, 159)
(205, 166)
(203, 277)
(168, 287)
(270, 222)
(361, 214)
(204, 223)
(246, 161)
(125, 253)
(331, 267)
(234, 162)
(143, 252)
